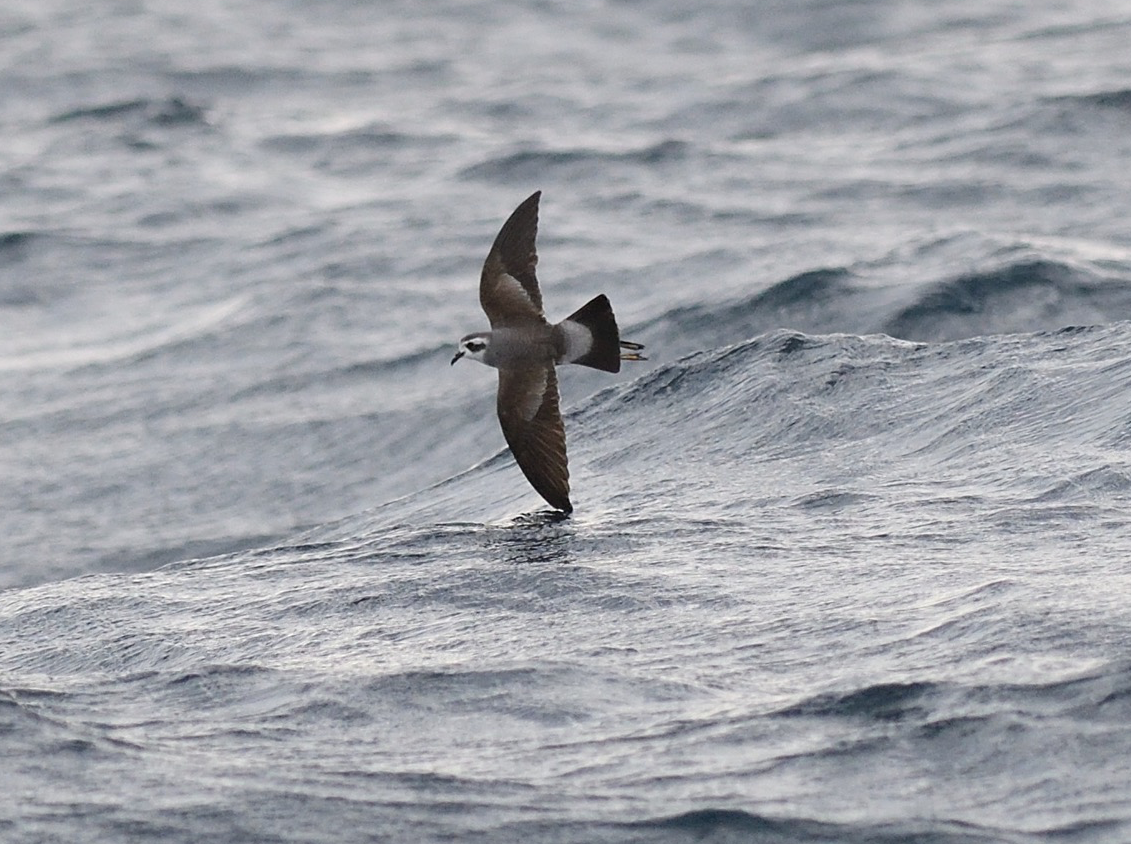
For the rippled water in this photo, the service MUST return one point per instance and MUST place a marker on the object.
(849, 559)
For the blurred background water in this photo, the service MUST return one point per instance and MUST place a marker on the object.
(850, 560)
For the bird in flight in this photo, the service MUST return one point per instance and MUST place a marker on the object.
(526, 348)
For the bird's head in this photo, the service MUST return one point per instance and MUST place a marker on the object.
(473, 346)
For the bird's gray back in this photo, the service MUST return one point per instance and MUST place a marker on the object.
(531, 345)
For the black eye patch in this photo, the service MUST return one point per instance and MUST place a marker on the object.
(476, 346)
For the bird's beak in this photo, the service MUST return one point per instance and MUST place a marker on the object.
(459, 355)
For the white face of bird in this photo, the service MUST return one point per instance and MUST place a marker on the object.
(473, 346)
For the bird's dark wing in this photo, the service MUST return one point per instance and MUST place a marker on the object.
(508, 287)
(532, 424)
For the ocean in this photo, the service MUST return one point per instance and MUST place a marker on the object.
(851, 553)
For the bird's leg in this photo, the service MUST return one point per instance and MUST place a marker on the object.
(633, 348)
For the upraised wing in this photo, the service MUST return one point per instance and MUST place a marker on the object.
(508, 287)
(532, 424)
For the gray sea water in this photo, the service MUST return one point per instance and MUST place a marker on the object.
(851, 558)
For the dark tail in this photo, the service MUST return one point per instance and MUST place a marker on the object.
(604, 353)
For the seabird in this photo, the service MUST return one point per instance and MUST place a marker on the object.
(525, 348)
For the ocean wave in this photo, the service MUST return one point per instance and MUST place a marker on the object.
(531, 165)
(724, 825)
(931, 709)
(1025, 293)
(188, 326)
(812, 301)
(370, 138)
(881, 702)
(1117, 98)
(729, 824)
(16, 292)
(12, 242)
(164, 112)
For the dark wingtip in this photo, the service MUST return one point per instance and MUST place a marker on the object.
(558, 502)
(514, 244)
